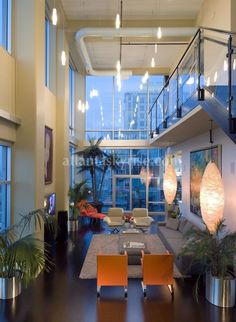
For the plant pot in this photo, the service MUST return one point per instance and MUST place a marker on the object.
(220, 291)
(72, 224)
(10, 287)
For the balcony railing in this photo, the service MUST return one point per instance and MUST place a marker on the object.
(209, 63)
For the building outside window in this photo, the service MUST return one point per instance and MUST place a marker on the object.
(71, 100)
(115, 115)
(5, 186)
(5, 24)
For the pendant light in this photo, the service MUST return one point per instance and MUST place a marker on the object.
(117, 21)
(169, 183)
(54, 15)
(159, 33)
(153, 64)
(63, 53)
(211, 194)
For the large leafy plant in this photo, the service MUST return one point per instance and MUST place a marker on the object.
(215, 252)
(24, 252)
(77, 193)
(96, 161)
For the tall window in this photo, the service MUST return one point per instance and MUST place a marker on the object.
(71, 100)
(72, 164)
(122, 114)
(47, 52)
(5, 185)
(5, 24)
(136, 183)
(50, 53)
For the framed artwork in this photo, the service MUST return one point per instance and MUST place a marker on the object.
(198, 162)
(48, 155)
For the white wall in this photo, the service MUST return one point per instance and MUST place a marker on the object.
(228, 173)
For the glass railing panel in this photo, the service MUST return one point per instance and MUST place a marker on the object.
(166, 102)
(160, 106)
(173, 94)
(216, 70)
(153, 117)
(188, 74)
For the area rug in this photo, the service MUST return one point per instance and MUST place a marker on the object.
(108, 244)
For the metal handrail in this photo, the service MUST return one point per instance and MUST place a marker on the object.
(231, 47)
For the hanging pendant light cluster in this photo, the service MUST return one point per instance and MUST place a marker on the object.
(82, 107)
(118, 64)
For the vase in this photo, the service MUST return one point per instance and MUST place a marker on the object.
(220, 291)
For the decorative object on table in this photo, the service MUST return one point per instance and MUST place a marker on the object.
(95, 161)
(216, 251)
(198, 163)
(23, 255)
(76, 194)
(212, 196)
(169, 183)
(48, 155)
(128, 219)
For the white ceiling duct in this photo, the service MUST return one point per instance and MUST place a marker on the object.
(110, 33)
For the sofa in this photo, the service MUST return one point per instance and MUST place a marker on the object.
(173, 236)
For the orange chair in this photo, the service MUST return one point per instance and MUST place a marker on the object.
(112, 270)
(157, 270)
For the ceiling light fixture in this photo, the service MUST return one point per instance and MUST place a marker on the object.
(159, 33)
(153, 64)
(117, 21)
(54, 16)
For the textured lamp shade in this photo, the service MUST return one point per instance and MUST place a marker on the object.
(212, 196)
(170, 184)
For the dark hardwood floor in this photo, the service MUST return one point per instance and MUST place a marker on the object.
(61, 296)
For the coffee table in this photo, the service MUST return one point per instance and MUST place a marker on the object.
(133, 244)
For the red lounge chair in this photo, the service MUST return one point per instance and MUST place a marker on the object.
(87, 210)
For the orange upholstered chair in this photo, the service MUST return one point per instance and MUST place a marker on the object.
(112, 270)
(157, 270)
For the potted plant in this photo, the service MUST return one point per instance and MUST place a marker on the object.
(77, 193)
(216, 254)
(22, 255)
(95, 162)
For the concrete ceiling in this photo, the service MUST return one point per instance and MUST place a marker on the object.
(132, 9)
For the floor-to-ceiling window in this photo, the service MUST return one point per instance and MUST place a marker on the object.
(136, 182)
(72, 150)
(5, 24)
(120, 115)
(50, 51)
(71, 100)
(5, 185)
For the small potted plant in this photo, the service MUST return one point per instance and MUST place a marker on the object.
(216, 253)
(22, 255)
(79, 192)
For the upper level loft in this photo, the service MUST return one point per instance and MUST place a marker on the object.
(202, 88)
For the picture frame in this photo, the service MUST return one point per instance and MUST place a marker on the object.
(48, 155)
(198, 162)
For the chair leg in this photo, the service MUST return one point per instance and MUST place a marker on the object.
(98, 291)
(171, 289)
(126, 291)
(144, 287)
